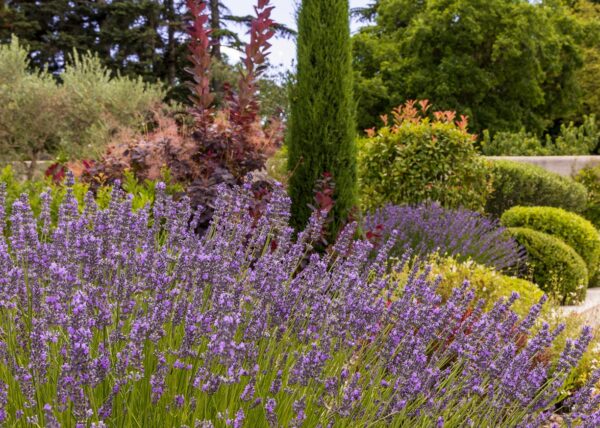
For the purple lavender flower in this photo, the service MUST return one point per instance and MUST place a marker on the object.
(238, 422)
(126, 308)
(428, 228)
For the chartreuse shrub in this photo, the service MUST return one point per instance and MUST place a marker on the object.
(109, 320)
(277, 165)
(488, 284)
(555, 267)
(322, 111)
(491, 285)
(415, 159)
(590, 178)
(506, 143)
(574, 230)
(517, 183)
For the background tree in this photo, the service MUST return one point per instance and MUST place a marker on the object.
(53, 28)
(41, 118)
(506, 64)
(322, 126)
(588, 13)
(132, 37)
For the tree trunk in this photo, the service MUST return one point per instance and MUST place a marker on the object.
(33, 155)
(215, 24)
(171, 54)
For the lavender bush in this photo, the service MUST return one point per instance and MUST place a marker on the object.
(119, 317)
(458, 233)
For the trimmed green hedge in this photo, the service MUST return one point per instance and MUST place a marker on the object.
(556, 267)
(574, 230)
(523, 184)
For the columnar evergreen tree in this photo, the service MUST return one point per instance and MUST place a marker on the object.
(322, 127)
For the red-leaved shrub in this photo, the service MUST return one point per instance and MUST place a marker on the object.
(222, 145)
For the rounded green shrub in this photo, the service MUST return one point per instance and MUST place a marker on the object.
(516, 183)
(574, 230)
(416, 159)
(555, 267)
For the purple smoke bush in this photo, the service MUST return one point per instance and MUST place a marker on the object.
(459, 233)
(119, 317)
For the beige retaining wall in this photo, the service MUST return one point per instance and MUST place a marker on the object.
(563, 165)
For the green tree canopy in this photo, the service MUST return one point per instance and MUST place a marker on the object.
(588, 13)
(506, 64)
(133, 38)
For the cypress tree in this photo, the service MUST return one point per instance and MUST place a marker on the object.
(322, 119)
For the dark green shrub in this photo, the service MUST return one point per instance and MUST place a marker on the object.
(574, 230)
(516, 183)
(322, 121)
(416, 159)
(555, 267)
(590, 178)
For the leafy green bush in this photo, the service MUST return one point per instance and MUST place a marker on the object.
(571, 140)
(520, 143)
(555, 267)
(516, 183)
(40, 118)
(574, 230)
(418, 159)
(576, 140)
(590, 178)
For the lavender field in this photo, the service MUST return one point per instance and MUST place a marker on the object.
(192, 235)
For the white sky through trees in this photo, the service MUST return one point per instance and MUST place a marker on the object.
(283, 52)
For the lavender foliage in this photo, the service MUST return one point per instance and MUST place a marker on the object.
(118, 317)
(459, 233)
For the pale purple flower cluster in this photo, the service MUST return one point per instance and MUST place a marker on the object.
(114, 316)
(428, 228)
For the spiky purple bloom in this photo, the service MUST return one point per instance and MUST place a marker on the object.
(428, 228)
(110, 304)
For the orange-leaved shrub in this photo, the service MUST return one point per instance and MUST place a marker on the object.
(419, 156)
